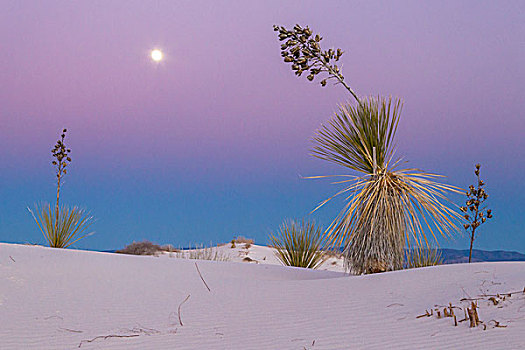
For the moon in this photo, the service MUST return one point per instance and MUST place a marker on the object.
(156, 55)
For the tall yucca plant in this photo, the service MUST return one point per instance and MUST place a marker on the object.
(61, 226)
(299, 244)
(387, 208)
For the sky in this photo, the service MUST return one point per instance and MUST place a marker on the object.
(214, 141)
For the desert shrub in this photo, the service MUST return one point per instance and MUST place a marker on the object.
(299, 244)
(203, 253)
(242, 239)
(141, 248)
(61, 226)
(421, 257)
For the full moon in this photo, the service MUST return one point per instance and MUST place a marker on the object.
(156, 55)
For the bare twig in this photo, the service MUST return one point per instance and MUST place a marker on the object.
(395, 304)
(471, 299)
(496, 324)
(492, 296)
(206, 284)
(505, 294)
(464, 291)
(145, 330)
(71, 330)
(106, 337)
(180, 320)
(12, 258)
(54, 316)
(426, 314)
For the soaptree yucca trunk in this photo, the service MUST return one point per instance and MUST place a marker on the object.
(387, 209)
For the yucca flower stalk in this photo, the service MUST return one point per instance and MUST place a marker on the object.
(299, 244)
(476, 196)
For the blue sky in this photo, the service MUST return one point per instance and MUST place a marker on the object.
(211, 143)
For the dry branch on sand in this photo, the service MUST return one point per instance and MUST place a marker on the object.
(178, 309)
(202, 278)
(471, 311)
(106, 337)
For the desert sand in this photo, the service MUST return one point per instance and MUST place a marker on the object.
(70, 299)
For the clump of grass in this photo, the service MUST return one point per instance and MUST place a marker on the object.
(62, 226)
(70, 226)
(203, 253)
(421, 257)
(141, 248)
(299, 244)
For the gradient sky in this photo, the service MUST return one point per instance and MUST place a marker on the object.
(210, 143)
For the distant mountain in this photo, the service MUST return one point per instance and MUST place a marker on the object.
(454, 256)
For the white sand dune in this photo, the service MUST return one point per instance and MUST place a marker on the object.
(258, 254)
(66, 299)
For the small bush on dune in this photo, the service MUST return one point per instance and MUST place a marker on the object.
(141, 248)
(421, 257)
(299, 244)
(242, 239)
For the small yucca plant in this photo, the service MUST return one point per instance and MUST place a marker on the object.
(299, 244)
(61, 226)
(71, 226)
(421, 257)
